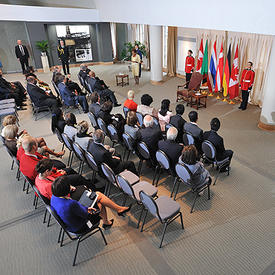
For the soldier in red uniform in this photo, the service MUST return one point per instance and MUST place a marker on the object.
(247, 80)
(189, 66)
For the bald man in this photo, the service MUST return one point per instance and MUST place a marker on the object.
(22, 55)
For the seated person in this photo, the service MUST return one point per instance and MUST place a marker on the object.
(82, 137)
(98, 85)
(193, 129)
(131, 127)
(178, 122)
(164, 114)
(117, 120)
(7, 94)
(150, 135)
(198, 173)
(47, 175)
(10, 132)
(144, 108)
(38, 96)
(129, 102)
(217, 141)
(170, 147)
(101, 154)
(83, 71)
(71, 98)
(58, 121)
(70, 127)
(74, 215)
(41, 84)
(95, 105)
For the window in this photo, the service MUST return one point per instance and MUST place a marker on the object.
(164, 42)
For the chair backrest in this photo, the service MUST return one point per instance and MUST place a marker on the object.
(209, 150)
(92, 119)
(125, 186)
(109, 173)
(81, 80)
(59, 136)
(67, 141)
(188, 139)
(56, 89)
(140, 118)
(125, 111)
(195, 81)
(163, 159)
(156, 121)
(128, 141)
(8, 151)
(91, 161)
(183, 173)
(102, 126)
(167, 126)
(143, 150)
(2, 139)
(113, 132)
(149, 203)
(45, 200)
(79, 152)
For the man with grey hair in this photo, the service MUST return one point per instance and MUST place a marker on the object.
(170, 147)
(22, 55)
(82, 73)
(101, 154)
(150, 135)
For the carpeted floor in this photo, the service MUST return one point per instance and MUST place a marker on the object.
(233, 233)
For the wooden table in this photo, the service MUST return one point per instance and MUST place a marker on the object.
(120, 80)
(196, 101)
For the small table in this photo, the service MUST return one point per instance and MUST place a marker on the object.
(120, 80)
(196, 101)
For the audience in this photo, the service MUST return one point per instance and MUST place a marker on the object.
(164, 114)
(83, 71)
(150, 135)
(95, 105)
(101, 154)
(178, 122)
(70, 129)
(131, 127)
(198, 173)
(10, 132)
(71, 98)
(144, 108)
(170, 147)
(58, 121)
(129, 102)
(82, 137)
(217, 141)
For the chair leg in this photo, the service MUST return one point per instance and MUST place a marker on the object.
(69, 159)
(158, 177)
(217, 175)
(174, 185)
(181, 220)
(163, 233)
(124, 154)
(35, 207)
(34, 200)
(45, 215)
(59, 235)
(103, 236)
(140, 167)
(24, 186)
(76, 250)
(12, 164)
(140, 216)
(177, 191)
(28, 186)
(146, 212)
(49, 220)
(72, 157)
(62, 238)
(191, 211)
(155, 173)
(63, 145)
(208, 188)
(129, 152)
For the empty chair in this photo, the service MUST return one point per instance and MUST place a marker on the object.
(209, 151)
(184, 176)
(163, 208)
(129, 145)
(143, 153)
(140, 118)
(102, 126)
(69, 144)
(125, 111)
(113, 134)
(188, 139)
(79, 152)
(93, 120)
(7, 101)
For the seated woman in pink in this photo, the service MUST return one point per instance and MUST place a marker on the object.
(164, 114)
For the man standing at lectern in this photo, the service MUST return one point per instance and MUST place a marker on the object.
(22, 55)
(189, 66)
(247, 80)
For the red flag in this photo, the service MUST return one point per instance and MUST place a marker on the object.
(200, 57)
(226, 73)
(219, 71)
(233, 82)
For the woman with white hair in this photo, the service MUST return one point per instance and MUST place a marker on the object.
(129, 102)
(82, 137)
(10, 132)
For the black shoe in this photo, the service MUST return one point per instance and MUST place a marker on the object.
(243, 109)
(107, 226)
(21, 108)
(125, 211)
(240, 107)
(117, 105)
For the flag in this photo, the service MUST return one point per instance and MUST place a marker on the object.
(200, 57)
(212, 69)
(226, 74)
(219, 71)
(204, 66)
(234, 82)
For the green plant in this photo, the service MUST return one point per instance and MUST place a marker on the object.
(42, 45)
(127, 51)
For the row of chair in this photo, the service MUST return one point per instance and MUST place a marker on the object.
(8, 107)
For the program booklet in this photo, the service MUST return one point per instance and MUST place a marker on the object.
(88, 198)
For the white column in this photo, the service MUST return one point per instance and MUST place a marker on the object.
(267, 119)
(155, 34)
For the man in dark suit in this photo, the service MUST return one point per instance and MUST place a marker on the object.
(193, 129)
(5, 94)
(22, 55)
(63, 55)
(178, 122)
(217, 141)
(170, 147)
(95, 106)
(150, 135)
(83, 71)
(140, 55)
(101, 154)
(38, 96)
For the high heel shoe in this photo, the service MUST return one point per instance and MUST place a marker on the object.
(125, 211)
(107, 226)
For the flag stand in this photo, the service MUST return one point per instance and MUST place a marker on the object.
(210, 94)
(231, 102)
(224, 100)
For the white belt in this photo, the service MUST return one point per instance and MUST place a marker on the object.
(189, 65)
(246, 81)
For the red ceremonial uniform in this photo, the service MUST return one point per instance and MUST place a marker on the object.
(189, 64)
(247, 79)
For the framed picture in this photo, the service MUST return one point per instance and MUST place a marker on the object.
(83, 55)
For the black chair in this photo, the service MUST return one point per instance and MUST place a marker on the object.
(140, 118)
(143, 154)
(69, 144)
(80, 154)
(129, 145)
(93, 120)
(210, 154)
(102, 126)
(125, 111)
(60, 138)
(56, 90)
(184, 175)
(73, 236)
(113, 134)
(92, 164)
(82, 82)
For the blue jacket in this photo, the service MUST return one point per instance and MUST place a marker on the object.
(67, 96)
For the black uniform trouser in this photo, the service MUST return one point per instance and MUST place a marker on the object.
(245, 95)
(65, 65)
(24, 62)
(188, 77)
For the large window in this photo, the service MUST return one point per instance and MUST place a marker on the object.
(164, 43)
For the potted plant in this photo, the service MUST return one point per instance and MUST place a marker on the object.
(43, 47)
(127, 51)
